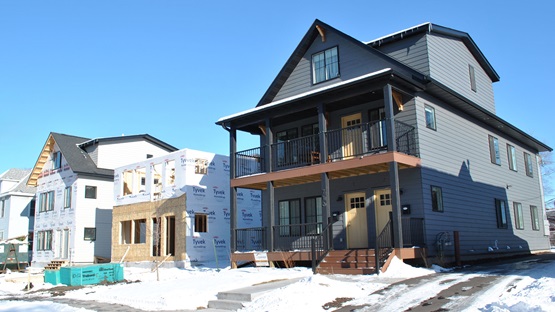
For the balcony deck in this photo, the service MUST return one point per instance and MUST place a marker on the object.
(361, 165)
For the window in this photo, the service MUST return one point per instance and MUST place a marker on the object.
(56, 160)
(511, 153)
(430, 117)
(286, 151)
(535, 218)
(519, 221)
(125, 231)
(1, 235)
(67, 197)
(201, 222)
(90, 191)
(2, 207)
(501, 212)
(313, 215)
(201, 166)
(46, 201)
(494, 150)
(289, 214)
(44, 240)
(325, 65)
(528, 165)
(140, 231)
(90, 234)
(32, 207)
(472, 75)
(437, 199)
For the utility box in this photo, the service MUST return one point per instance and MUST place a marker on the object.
(14, 255)
(85, 275)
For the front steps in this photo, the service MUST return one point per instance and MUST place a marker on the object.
(350, 261)
(56, 264)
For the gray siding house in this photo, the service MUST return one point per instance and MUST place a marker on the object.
(388, 147)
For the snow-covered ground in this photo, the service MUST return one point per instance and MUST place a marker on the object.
(528, 287)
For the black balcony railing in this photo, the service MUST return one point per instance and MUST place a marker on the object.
(249, 162)
(295, 236)
(251, 239)
(345, 143)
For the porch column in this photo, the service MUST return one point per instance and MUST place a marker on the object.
(270, 215)
(393, 168)
(233, 190)
(322, 127)
(268, 201)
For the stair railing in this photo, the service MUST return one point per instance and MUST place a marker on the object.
(321, 245)
(384, 245)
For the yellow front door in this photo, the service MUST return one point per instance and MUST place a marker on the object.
(357, 224)
(383, 209)
(352, 135)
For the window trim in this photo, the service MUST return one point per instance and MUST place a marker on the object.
(535, 217)
(67, 197)
(511, 156)
(2, 208)
(472, 74)
(428, 108)
(494, 154)
(289, 231)
(437, 201)
(528, 166)
(56, 160)
(501, 213)
(313, 69)
(519, 216)
(88, 189)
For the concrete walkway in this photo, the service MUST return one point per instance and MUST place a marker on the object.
(234, 299)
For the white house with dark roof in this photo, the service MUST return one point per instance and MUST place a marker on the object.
(74, 189)
(16, 204)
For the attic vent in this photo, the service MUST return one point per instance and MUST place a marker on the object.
(322, 32)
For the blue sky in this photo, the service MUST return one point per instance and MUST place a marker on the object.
(172, 68)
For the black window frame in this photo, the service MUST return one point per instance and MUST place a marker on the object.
(291, 218)
(528, 165)
(56, 160)
(535, 217)
(511, 157)
(519, 216)
(437, 198)
(89, 234)
(89, 189)
(472, 74)
(501, 210)
(494, 153)
(326, 65)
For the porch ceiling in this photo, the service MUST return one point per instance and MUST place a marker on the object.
(368, 164)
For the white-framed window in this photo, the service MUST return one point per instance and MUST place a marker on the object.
(519, 217)
(511, 153)
(437, 198)
(2, 207)
(528, 165)
(325, 65)
(1, 235)
(67, 197)
(501, 213)
(494, 150)
(430, 117)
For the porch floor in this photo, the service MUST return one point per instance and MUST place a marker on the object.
(348, 261)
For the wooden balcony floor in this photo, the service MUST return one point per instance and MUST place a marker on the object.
(362, 165)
